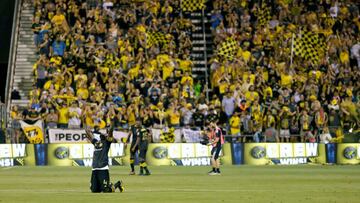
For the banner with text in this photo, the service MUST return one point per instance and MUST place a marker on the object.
(185, 154)
(33, 132)
(17, 155)
(55, 154)
(181, 154)
(192, 136)
(76, 135)
(81, 154)
(282, 153)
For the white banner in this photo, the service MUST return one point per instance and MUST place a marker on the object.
(76, 135)
(192, 136)
(157, 132)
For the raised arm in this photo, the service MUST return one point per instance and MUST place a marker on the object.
(111, 130)
(89, 134)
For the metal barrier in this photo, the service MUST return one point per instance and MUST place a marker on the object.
(12, 55)
(2, 122)
(3, 116)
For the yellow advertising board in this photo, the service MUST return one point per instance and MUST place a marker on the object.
(348, 153)
(283, 153)
(186, 154)
(81, 154)
(182, 154)
(17, 155)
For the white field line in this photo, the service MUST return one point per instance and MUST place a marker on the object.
(52, 191)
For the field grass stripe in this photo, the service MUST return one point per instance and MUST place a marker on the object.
(131, 191)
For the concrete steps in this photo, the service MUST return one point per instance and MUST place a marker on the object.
(26, 56)
(202, 44)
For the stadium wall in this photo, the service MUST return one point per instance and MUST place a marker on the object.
(185, 154)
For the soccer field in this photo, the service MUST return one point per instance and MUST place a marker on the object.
(302, 183)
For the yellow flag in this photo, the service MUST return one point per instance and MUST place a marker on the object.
(33, 132)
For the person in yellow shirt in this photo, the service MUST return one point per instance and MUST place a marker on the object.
(82, 92)
(344, 57)
(167, 9)
(132, 112)
(269, 120)
(34, 94)
(350, 111)
(80, 78)
(284, 119)
(251, 95)
(185, 64)
(125, 48)
(187, 90)
(162, 59)
(286, 79)
(246, 55)
(235, 123)
(256, 112)
(98, 95)
(58, 18)
(87, 116)
(305, 126)
(223, 86)
(125, 59)
(63, 114)
(160, 116)
(167, 69)
(215, 101)
(174, 117)
(187, 78)
(315, 74)
(134, 72)
(175, 90)
(249, 75)
(149, 70)
(153, 7)
(263, 72)
(268, 93)
(99, 121)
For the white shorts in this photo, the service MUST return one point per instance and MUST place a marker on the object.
(285, 133)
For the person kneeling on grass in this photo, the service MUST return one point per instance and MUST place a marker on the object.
(100, 180)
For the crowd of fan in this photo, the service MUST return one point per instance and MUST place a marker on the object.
(271, 92)
(95, 67)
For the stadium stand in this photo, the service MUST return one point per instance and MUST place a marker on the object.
(266, 69)
(25, 56)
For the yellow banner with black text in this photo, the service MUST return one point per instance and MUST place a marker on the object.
(182, 154)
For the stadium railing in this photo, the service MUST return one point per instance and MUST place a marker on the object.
(2, 115)
(12, 55)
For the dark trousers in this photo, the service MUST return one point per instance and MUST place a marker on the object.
(142, 154)
(133, 153)
(100, 179)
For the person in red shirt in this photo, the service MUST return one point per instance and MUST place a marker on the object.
(216, 140)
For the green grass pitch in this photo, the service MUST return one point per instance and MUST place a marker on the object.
(302, 183)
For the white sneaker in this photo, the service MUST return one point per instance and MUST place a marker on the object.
(212, 173)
